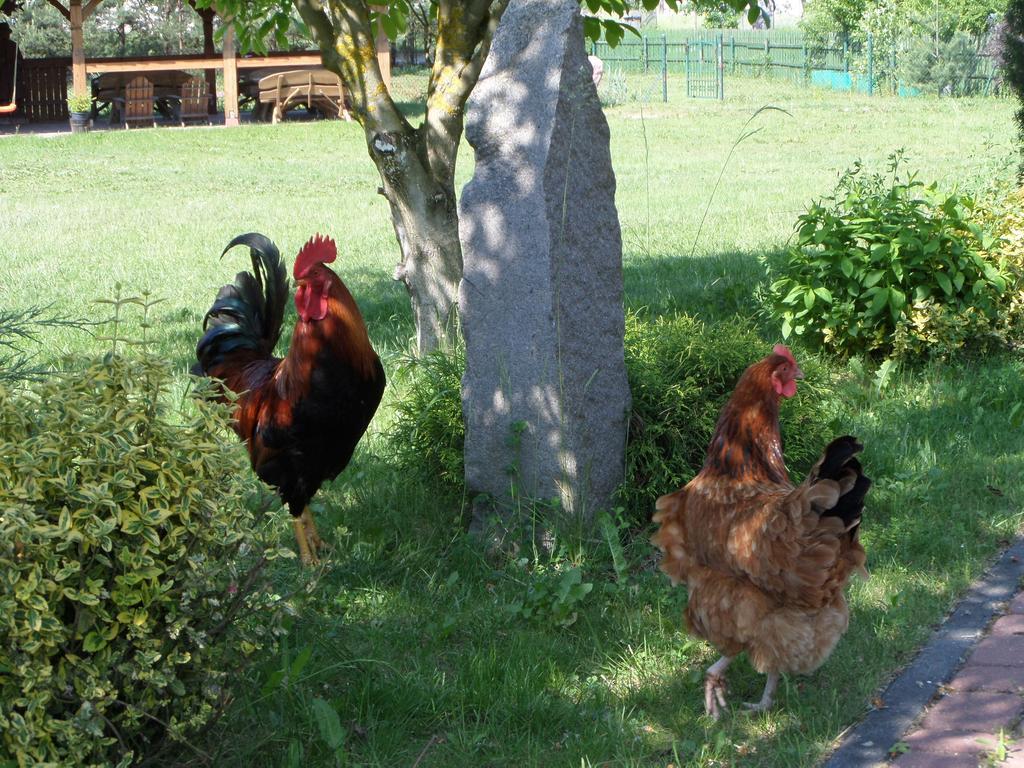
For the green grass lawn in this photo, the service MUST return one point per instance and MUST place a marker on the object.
(408, 632)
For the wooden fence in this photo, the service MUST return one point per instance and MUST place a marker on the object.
(45, 88)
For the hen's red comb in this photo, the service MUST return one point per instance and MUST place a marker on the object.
(782, 349)
(318, 250)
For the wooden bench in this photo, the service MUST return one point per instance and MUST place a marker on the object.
(312, 88)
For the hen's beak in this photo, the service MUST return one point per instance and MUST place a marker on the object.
(799, 373)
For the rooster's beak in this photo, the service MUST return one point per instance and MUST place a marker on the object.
(798, 374)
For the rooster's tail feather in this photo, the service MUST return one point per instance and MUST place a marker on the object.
(248, 313)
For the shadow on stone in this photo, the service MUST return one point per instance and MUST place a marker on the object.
(545, 394)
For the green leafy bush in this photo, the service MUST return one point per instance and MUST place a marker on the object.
(129, 567)
(79, 103)
(886, 254)
(681, 373)
(615, 88)
(1004, 214)
(428, 434)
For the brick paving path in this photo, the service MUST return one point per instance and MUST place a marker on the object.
(948, 706)
(961, 729)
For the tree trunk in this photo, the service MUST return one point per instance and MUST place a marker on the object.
(426, 222)
(427, 227)
(416, 165)
(207, 14)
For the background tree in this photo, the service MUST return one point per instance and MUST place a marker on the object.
(934, 45)
(833, 17)
(417, 42)
(1013, 67)
(720, 16)
(416, 163)
(939, 19)
(947, 17)
(40, 30)
(124, 28)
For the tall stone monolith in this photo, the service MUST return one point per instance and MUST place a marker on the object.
(545, 395)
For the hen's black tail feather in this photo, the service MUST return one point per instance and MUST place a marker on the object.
(840, 464)
(248, 313)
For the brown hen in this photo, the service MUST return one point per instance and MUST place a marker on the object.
(765, 563)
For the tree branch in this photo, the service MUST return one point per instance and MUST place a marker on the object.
(320, 25)
(343, 31)
(64, 11)
(243, 592)
(464, 34)
(476, 63)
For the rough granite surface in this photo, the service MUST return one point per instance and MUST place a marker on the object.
(541, 297)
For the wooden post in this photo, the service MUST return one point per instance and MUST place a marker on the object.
(230, 77)
(686, 58)
(78, 84)
(384, 55)
(207, 15)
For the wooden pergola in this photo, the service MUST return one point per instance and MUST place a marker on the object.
(77, 11)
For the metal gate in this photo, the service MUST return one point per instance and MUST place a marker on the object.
(705, 68)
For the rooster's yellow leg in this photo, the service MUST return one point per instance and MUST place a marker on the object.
(312, 535)
(769, 694)
(306, 555)
(714, 687)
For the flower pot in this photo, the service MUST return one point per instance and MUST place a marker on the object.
(79, 122)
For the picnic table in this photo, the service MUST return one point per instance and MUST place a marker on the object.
(249, 79)
(249, 87)
(275, 90)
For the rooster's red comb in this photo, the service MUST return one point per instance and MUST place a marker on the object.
(318, 250)
(782, 349)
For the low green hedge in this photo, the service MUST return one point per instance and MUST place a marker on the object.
(130, 568)
(681, 372)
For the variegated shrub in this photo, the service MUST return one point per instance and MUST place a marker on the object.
(131, 571)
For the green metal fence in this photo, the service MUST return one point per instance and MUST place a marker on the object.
(840, 64)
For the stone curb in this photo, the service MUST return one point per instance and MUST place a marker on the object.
(906, 697)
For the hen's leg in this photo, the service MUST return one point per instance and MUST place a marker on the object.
(312, 535)
(714, 687)
(769, 694)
